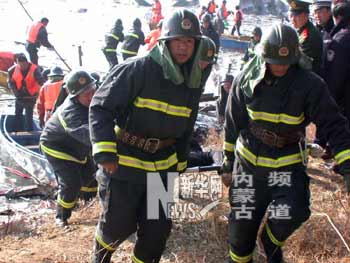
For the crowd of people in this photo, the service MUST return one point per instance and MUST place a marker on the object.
(140, 120)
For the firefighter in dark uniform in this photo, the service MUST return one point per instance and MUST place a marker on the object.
(37, 36)
(271, 102)
(255, 40)
(154, 102)
(225, 87)
(133, 40)
(337, 65)
(112, 39)
(323, 17)
(209, 31)
(25, 80)
(65, 142)
(309, 38)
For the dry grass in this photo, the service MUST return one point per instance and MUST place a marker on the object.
(201, 240)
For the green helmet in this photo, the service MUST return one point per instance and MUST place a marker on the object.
(183, 23)
(281, 45)
(78, 81)
(56, 71)
(208, 50)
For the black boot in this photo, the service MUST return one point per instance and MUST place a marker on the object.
(100, 254)
(273, 252)
(62, 214)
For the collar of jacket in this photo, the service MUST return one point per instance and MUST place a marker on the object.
(342, 24)
(191, 77)
(252, 73)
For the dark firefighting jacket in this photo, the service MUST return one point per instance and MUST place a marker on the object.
(283, 105)
(142, 97)
(66, 133)
(337, 68)
(311, 44)
(113, 37)
(132, 41)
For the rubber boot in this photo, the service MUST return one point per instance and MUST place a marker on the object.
(273, 252)
(100, 254)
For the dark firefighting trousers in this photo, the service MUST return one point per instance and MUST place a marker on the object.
(73, 180)
(124, 213)
(33, 52)
(27, 105)
(287, 206)
(111, 57)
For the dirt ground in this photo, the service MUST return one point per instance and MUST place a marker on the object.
(201, 240)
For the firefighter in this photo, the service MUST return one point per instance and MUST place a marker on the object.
(209, 31)
(112, 39)
(255, 40)
(154, 102)
(133, 40)
(271, 102)
(37, 36)
(25, 80)
(48, 94)
(65, 142)
(222, 101)
(309, 38)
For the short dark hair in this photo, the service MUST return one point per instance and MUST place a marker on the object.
(44, 20)
(342, 10)
(21, 58)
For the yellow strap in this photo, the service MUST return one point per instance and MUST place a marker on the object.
(104, 147)
(275, 118)
(161, 106)
(62, 121)
(110, 50)
(61, 155)
(266, 161)
(342, 156)
(272, 237)
(132, 35)
(129, 52)
(114, 36)
(136, 260)
(68, 205)
(239, 259)
(104, 244)
(230, 147)
(146, 165)
(181, 166)
(88, 189)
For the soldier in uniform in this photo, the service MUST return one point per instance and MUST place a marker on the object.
(271, 102)
(309, 38)
(65, 143)
(154, 102)
(323, 17)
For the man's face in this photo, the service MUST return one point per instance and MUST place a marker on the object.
(278, 70)
(86, 96)
(322, 16)
(181, 49)
(227, 86)
(205, 24)
(298, 20)
(23, 65)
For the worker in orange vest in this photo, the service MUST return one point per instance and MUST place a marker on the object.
(212, 7)
(156, 14)
(152, 37)
(7, 59)
(238, 18)
(37, 36)
(48, 94)
(25, 80)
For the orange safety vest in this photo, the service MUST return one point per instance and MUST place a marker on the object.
(225, 12)
(152, 38)
(211, 8)
(156, 13)
(51, 91)
(238, 16)
(31, 83)
(34, 31)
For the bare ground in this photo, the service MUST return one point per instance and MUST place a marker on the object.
(201, 240)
